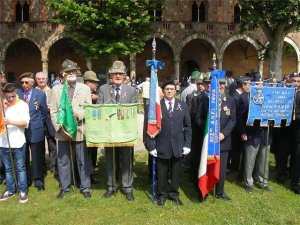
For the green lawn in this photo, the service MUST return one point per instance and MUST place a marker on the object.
(280, 207)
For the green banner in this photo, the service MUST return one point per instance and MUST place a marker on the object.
(111, 125)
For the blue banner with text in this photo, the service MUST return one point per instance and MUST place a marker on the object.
(269, 103)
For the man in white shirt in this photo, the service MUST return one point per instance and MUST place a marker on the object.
(145, 86)
(16, 119)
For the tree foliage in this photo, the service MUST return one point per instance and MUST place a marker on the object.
(276, 18)
(98, 27)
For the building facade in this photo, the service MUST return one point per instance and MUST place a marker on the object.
(188, 34)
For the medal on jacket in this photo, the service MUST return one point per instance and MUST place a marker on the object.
(119, 114)
(99, 114)
(226, 110)
(127, 113)
(94, 114)
(122, 114)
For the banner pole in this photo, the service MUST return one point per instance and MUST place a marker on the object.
(153, 179)
(266, 154)
(114, 171)
(10, 150)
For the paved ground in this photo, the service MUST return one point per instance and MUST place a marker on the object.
(140, 145)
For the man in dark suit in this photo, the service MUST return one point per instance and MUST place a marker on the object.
(35, 136)
(227, 123)
(117, 92)
(196, 145)
(173, 141)
(255, 140)
(91, 80)
(236, 163)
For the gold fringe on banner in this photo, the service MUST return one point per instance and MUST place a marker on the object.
(213, 157)
(127, 144)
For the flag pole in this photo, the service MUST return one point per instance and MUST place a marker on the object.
(153, 158)
(266, 154)
(72, 164)
(114, 154)
(9, 148)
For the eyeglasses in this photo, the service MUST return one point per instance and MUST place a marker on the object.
(10, 97)
(116, 74)
(26, 82)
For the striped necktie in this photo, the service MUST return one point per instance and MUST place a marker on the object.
(26, 98)
(117, 97)
(170, 109)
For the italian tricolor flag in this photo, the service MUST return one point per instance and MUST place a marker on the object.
(209, 168)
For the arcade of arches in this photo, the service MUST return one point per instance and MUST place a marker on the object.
(237, 56)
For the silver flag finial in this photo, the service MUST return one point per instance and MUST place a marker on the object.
(153, 46)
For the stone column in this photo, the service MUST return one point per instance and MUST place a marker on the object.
(45, 65)
(133, 66)
(88, 64)
(298, 67)
(2, 62)
(260, 67)
(177, 68)
(219, 64)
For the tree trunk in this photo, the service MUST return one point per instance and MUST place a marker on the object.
(275, 54)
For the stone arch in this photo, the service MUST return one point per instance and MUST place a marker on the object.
(292, 43)
(198, 36)
(167, 39)
(239, 37)
(14, 38)
(45, 49)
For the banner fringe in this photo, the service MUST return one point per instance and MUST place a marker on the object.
(127, 144)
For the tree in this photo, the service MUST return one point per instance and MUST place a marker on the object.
(105, 27)
(276, 18)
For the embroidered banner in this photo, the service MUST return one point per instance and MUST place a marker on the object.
(111, 125)
(271, 103)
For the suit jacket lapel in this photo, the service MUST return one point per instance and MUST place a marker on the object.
(33, 97)
(75, 96)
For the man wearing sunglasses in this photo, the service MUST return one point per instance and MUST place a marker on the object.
(35, 136)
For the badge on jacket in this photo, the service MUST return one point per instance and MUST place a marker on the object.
(226, 110)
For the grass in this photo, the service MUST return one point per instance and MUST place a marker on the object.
(279, 207)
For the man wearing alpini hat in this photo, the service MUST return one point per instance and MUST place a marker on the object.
(79, 96)
(121, 94)
(91, 80)
(35, 136)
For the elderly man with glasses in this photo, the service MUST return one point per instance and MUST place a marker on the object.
(35, 135)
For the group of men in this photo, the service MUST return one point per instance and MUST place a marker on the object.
(31, 113)
(243, 148)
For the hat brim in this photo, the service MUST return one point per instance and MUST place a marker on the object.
(70, 68)
(90, 79)
(222, 80)
(116, 71)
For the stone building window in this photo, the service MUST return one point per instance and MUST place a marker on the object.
(198, 11)
(155, 15)
(237, 13)
(22, 12)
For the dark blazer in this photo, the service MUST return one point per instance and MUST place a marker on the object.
(38, 113)
(175, 133)
(255, 133)
(295, 124)
(227, 118)
(236, 96)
